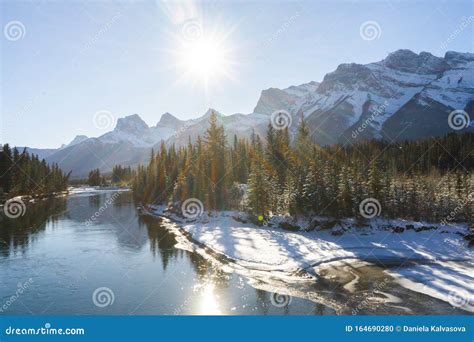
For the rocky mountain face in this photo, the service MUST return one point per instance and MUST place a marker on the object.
(290, 99)
(374, 101)
(404, 96)
(426, 113)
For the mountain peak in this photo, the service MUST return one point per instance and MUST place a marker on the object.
(402, 53)
(455, 58)
(131, 123)
(406, 92)
(210, 111)
(408, 61)
(77, 140)
(347, 75)
(272, 99)
(302, 89)
(168, 119)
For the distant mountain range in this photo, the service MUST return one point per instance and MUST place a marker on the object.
(404, 96)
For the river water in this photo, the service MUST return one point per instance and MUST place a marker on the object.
(56, 260)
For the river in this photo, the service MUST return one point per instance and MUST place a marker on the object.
(56, 260)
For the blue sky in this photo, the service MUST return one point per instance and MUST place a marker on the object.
(77, 58)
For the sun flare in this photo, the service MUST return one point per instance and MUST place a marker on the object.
(205, 60)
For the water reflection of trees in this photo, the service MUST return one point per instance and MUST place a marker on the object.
(121, 199)
(16, 234)
(94, 201)
(161, 240)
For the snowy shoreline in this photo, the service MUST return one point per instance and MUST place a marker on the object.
(430, 259)
(34, 198)
(93, 189)
(72, 190)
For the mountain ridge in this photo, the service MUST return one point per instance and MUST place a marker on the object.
(404, 96)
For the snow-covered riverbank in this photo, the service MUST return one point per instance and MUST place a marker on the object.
(24, 199)
(95, 189)
(431, 259)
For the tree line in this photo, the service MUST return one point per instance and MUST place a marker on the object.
(94, 178)
(22, 173)
(425, 179)
(121, 175)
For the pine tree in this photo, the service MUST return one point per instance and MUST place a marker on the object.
(6, 163)
(258, 200)
(216, 147)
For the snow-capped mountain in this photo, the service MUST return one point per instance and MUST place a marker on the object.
(368, 95)
(426, 114)
(134, 130)
(129, 143)
(170, 122)
(241, 125)
(290, 99)
(404, 96)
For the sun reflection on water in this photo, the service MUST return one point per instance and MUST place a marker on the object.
(209, 301)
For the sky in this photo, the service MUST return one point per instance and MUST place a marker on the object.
(68, 60)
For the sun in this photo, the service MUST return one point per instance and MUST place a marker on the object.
(205, 60)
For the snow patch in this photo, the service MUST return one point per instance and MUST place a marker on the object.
(435, 261)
